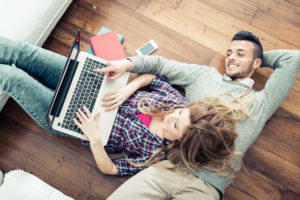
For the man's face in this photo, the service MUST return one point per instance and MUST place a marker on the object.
(239, 61)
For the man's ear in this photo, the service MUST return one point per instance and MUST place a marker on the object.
(257, 63)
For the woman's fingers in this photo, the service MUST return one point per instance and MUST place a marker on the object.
(109, 96)
(84, 118)
(97, 116)
(79, 117)
(88, 113)
(110, 103)
(77, 123)
(111, 107)
(111, 92)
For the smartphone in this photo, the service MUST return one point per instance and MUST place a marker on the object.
(147, 48)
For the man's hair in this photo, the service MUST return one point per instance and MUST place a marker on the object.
(245, 35)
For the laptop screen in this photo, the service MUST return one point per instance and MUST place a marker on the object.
(65, 80)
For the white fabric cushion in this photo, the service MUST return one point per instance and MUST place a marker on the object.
(18, 184)
(30, 20)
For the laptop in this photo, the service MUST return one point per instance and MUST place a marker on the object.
(79, 85)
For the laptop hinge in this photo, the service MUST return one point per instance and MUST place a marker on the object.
(64, 88)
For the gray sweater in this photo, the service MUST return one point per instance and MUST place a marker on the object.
(201, 81)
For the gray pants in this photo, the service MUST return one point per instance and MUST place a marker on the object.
(158, 183)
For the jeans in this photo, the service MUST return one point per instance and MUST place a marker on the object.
(29, 75)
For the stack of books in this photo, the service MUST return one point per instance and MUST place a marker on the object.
(107, 44)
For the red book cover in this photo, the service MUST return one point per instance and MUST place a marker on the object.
(107, 46)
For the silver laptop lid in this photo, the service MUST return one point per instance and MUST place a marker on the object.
(64, 81)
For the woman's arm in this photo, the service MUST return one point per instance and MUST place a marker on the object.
(89, 126)
(103, 161)
(115, 98)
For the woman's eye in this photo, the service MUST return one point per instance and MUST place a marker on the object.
(175, 125)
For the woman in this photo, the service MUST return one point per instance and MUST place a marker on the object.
(192, 135)
(146, 121)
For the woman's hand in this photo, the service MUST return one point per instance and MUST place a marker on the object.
(88, 124)
(115, 98)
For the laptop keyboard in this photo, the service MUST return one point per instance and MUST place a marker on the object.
(86, 91)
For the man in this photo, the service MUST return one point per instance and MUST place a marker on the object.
(244, 56)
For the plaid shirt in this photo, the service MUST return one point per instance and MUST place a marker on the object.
(131, 135)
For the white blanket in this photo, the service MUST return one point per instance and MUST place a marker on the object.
(18, 184)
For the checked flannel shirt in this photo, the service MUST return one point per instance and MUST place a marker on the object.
(129, 134)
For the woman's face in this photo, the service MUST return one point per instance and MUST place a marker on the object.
(176, 123)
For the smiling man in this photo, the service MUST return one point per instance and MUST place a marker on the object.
(244, 56)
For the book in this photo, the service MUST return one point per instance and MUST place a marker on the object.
(107, 46)
(102, 31)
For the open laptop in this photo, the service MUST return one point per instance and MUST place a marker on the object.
(79, 85)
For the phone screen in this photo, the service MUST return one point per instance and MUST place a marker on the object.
(147, 49)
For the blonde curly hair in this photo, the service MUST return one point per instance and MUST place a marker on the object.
(209, 141)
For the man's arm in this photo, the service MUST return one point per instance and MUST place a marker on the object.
(177, 73)
(286, 65)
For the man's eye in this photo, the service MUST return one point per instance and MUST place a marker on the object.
(241, 54)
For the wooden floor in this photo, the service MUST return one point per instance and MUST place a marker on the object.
(193, 31)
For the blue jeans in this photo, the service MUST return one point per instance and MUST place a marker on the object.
(29, 75)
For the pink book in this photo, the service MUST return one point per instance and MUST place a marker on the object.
(107, 46)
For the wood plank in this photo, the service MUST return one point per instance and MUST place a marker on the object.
(203, 26)
(218, 61)
(235, 8)
(70, 158)
(295, 3)
(186, 24)
(283, 132)
(133, 4)
(171, 45)
(257, 186)
(233, 193)
(283, 10)
(273, 167)
(211, 17)
(55, 45)
(278, 28)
